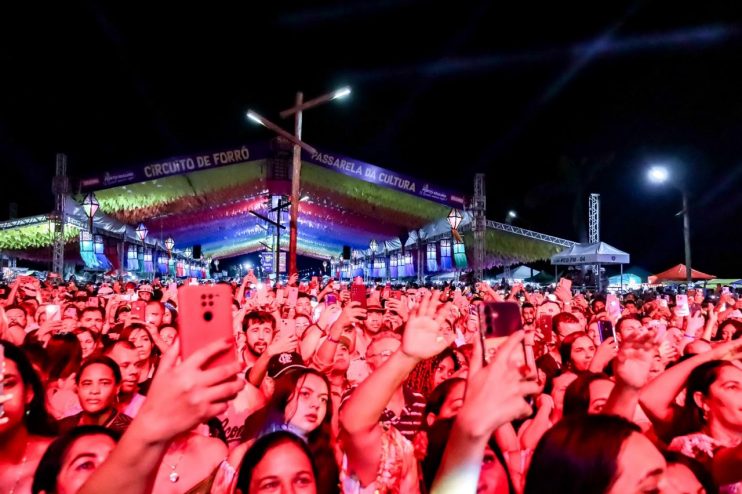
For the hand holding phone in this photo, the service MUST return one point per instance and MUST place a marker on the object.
(137, 309)
(358, 294)
(292, 297)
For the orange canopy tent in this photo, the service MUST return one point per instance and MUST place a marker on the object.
(678, 273)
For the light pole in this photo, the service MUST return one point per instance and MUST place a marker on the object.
(297, 110)
(510, 217)
(659, 174)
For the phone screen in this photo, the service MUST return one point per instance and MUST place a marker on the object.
(53, 312)
(331, 299)
(605, 330)
(292, 297)
(499, 319)
(681, 301)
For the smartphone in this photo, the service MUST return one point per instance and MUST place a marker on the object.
(544, 323)
(53, 312)
(262, 296)
(358, 294)
(206, 317)
(288, 326)
(605, 330)
(292, 297)
(566, 283)
(499, 319)
(137, 309)
(386, 292)
(331, 299)
(314, 282)
(612, 306)
(681, 302)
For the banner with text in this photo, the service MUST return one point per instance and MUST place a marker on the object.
(384, 178)
(177, 166)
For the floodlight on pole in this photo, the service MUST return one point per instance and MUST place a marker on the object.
(658, 174)
(512, 214)
(278, 130)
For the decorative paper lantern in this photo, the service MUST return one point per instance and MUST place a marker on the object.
(169, 243)
(142, 232)
(90, 205)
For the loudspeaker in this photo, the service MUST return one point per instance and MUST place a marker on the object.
(346, 252)
(197, 251)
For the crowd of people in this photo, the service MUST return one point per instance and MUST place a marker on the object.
(401, 390)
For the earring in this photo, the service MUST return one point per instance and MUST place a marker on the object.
(28, 412)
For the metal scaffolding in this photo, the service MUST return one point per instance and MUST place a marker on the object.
(60, 188)
(495, 225)
(594, 219)
(479, 210)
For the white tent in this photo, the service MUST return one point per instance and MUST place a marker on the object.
(597, 253)
(519, 273)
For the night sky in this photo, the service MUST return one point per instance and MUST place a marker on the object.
(551, 100)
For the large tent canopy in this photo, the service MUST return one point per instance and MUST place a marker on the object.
(595, 253)
(679, 273)
(209, 200)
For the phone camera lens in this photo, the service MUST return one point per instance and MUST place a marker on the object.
(208, 316)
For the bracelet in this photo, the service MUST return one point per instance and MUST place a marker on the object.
(689, 337)
(332, 340)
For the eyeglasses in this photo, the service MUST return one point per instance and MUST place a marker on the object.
(385, 354)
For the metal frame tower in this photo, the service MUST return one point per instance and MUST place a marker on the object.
(479, 210)
(594, 218)
(60, 189)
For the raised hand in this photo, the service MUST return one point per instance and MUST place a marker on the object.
(352, 314)
(184, 395)
(422, 337)
(283, 343)
(496, 394)
(634, 360)
(605, 352)
(695, 324)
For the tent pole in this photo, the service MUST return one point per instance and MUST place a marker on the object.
(621, 278)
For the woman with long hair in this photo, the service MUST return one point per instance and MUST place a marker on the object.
(65, 357)
(595, 454)
(711, 420)
(26, 426)
(577, 351)
(431, 372)
(141, 337)
(301, 403)
(72, 458)
(278, 462)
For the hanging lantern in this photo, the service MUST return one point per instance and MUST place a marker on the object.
(216, 263)
(373, 245)
(142, 232)
(454, 219)
(90, 205)
(188, 252)
(169, 244)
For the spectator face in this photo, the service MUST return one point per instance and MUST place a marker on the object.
(559, 387)
(566, 328)
(308, 406)
(259, 336)
(304, 306)
(168, 335)
(598, 306)
(92, 320)
(97, 389)
(87, 344)
(583, 351)
(492, 475)
(130, 365)
(529, 315)
(153, 314)
(141, 340)
(342, 358)
(724, 401)
(680, 479)
(15, 407)
(302, 323)
(454, 400)
(443, 371)
(380, 351)
(82, 458)
(629, 328)
(167, 316)
(373, 321)
(285, 468)
(640, 467)
(600, 390)
(16, 317)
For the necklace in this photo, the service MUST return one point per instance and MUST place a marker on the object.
(174, 475)
(20, 470)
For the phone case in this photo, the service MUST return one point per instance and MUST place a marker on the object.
(206, 317)
(293, 296)
(358, 294)
(137, 310)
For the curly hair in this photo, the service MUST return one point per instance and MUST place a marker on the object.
(420, 379)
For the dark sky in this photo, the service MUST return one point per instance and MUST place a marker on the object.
(551, 100)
